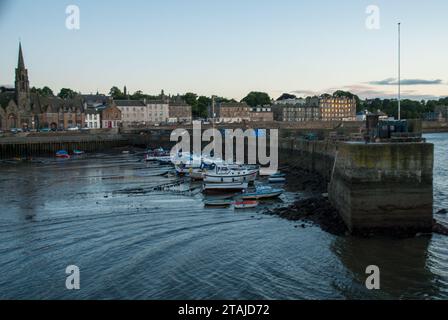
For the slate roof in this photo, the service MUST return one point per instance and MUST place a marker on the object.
(129, 103)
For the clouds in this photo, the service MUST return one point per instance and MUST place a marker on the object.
(406, 82)
(366, 91)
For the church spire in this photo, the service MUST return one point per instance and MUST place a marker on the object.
(22, 83)
(21, 63)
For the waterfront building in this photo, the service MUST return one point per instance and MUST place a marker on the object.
(21, 108)
(179, 111)
(232, 112)
(298, 110)
(93, 118)
(261, 114)
(157, 111)
(337, 108)
(133, 112)
(111, 117)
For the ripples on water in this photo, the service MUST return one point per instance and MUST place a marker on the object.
(146, 245)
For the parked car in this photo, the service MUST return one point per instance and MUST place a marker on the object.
(44, 130)
(73, 129)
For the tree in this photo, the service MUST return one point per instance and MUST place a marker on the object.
(254, 99)
(116, 93)
(191, 99)
(45, 91)
(203, 104)
(67, 93)
(286, 96)
(138, 95)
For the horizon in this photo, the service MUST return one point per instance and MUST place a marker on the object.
(228, 49)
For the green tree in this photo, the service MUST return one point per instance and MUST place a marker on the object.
(203, 104)
(138, 95)
(67, 93)
(116, 93)
(45, 91)
(254, 99)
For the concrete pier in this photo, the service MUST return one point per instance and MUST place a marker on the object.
(375, 187)
(384, 186)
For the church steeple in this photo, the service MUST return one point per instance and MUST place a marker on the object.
(22, 83)
(21, 63)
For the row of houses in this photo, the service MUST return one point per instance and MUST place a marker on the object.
(324, 108)
(137, 113)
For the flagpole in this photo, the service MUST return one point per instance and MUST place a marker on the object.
(399, 71)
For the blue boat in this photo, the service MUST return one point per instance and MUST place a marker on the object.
(263, 193)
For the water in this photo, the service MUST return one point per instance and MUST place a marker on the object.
(129, 243)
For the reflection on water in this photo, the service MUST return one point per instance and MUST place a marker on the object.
(100, 214)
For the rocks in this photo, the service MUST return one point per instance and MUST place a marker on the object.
(316, 210)
(439, 228)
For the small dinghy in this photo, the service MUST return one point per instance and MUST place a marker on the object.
(247, 204)
(223, 203)
(62, 154)
(277, 178)
(78, 152)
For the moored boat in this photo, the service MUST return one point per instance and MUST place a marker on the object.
(62, 154)
(231, 174)
(246, 204)
(263, 193)
(224, 187)
(218, 203)
(78, 152)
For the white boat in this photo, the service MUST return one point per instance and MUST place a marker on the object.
(231, 174)
(224, 187)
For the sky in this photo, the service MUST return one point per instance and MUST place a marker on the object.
(230, 47)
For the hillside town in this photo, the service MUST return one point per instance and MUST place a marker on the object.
(23, 108)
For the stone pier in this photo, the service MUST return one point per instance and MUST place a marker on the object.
(385, 187)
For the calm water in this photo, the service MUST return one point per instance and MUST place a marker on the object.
(99, 214)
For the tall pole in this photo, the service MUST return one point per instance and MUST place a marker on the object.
(399, 71)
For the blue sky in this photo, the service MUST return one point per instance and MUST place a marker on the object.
(228, 47)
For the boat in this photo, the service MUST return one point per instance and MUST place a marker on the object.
(218, 203)
(158, 155)
(62, 154)
(78, 152)
(231, 174)
(224, 187)
(277, 178)
(247, 204)
(263, 193)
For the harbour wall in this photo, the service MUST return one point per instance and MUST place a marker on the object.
(27, 147)
(381, 187)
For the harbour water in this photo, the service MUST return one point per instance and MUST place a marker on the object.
(100, 212)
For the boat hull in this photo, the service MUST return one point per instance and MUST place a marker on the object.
(217, 178)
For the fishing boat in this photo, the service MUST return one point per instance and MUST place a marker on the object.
(62, 154)
(224, 187)
(231, 174)
(263, 193)
(224, 203)
(247, 204)
(277, 178)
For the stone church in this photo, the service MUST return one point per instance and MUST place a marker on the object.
(22, 109)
